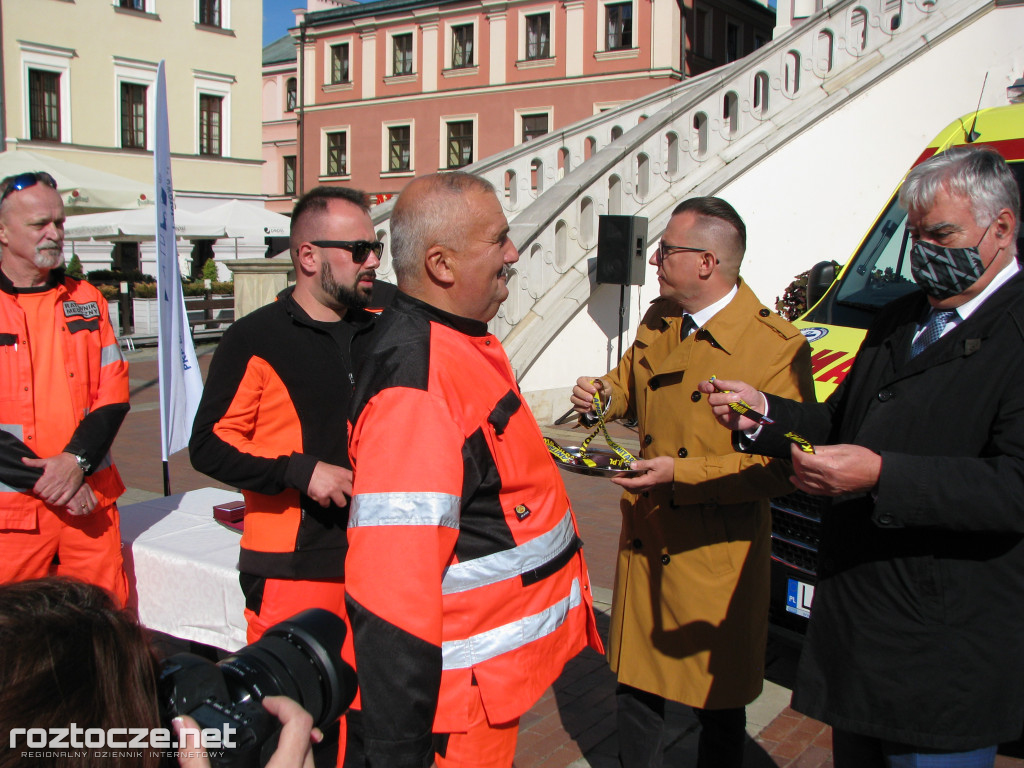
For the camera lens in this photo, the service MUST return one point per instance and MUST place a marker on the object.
(299, 658)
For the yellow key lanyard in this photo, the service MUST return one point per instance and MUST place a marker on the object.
(563, 456)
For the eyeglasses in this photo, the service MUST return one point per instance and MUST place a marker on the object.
(24, 181)
(360, 249)
(667, 250)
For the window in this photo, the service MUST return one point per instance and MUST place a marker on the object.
(135, 5)
(534, 126)
(44, 105)
(133, 116)
(209, 12)
(538, 36)
(702, 33)
(462, 46)
(402, 54)
(289, 174)
(398, 148)
(210, 124)
(339, 63)
(732, 41)
(460, 143)
(619, 22)
(291, 94)
(337, 154)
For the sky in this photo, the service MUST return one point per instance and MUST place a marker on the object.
(277, 17)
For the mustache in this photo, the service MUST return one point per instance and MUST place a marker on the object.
(508, 271)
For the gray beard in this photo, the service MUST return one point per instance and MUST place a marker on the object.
(48, 259)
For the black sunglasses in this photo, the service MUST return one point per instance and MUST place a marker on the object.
(360, 249)
(24, 181)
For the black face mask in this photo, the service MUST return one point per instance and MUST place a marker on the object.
(943, 272)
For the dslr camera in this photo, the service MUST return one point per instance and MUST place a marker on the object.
(299, 658)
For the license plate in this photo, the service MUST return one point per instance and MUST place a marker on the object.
(799, 597)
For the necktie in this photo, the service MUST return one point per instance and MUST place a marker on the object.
(688, 326)
(932, 330)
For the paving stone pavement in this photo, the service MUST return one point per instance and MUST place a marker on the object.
(573, 724)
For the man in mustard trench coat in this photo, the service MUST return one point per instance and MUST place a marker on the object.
(690, 609)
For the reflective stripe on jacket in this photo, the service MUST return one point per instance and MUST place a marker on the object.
(464, 564)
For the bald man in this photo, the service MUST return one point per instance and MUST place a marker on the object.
(468, 591)
(690, 609)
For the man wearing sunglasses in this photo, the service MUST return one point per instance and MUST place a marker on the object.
(690, 609)
(63, 396)
(272, 420)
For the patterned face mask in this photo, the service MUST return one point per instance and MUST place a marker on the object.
(944, 272)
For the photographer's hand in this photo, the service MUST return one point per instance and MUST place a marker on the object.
(294, 748)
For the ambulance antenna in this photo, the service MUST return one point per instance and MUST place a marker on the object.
(973, 136)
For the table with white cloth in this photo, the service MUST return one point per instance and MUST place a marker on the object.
(182, 567)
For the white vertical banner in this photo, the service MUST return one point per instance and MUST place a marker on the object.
(181, 384)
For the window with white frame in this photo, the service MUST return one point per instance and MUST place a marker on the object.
(213, 113)
(46, 78)
(538, 36)
(288, 162)
(213, 13)
(399, 148)
(44, 105)
(133, 115)
(134, 5)
(402, 54)
(336, 153)
(618, 26)
(534, 125)
(462, 46)
(460, 143)
(291, 94)
(136, 101)
(340, 63)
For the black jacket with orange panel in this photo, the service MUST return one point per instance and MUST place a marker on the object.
(275, 403)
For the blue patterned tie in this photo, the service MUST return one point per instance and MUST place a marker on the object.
(932, 331)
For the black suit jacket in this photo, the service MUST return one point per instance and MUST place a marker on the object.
(918, 617)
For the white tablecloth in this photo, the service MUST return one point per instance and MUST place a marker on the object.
(181, 565)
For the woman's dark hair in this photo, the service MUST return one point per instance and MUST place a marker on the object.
(68, 654)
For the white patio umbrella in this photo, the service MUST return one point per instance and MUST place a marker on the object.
(83, 189)
(137, 224)
(247, 220)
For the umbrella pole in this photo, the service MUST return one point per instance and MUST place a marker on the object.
(167, 480)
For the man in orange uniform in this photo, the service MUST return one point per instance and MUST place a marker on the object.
(63, 396)
(467, 587)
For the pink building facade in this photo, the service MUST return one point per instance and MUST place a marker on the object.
(386, 91)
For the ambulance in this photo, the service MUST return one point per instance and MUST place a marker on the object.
(841, 309)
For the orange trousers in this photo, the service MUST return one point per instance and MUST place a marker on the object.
(483, 746)
(85, 547)
(282, 599)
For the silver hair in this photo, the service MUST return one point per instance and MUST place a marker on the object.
(977, 174)
(430, 219)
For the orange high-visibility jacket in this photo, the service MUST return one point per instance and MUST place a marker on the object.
(98, 383)
(464, 564)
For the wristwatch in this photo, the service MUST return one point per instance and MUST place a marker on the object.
(83, 463)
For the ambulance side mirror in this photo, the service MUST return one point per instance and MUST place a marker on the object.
(819, 280)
